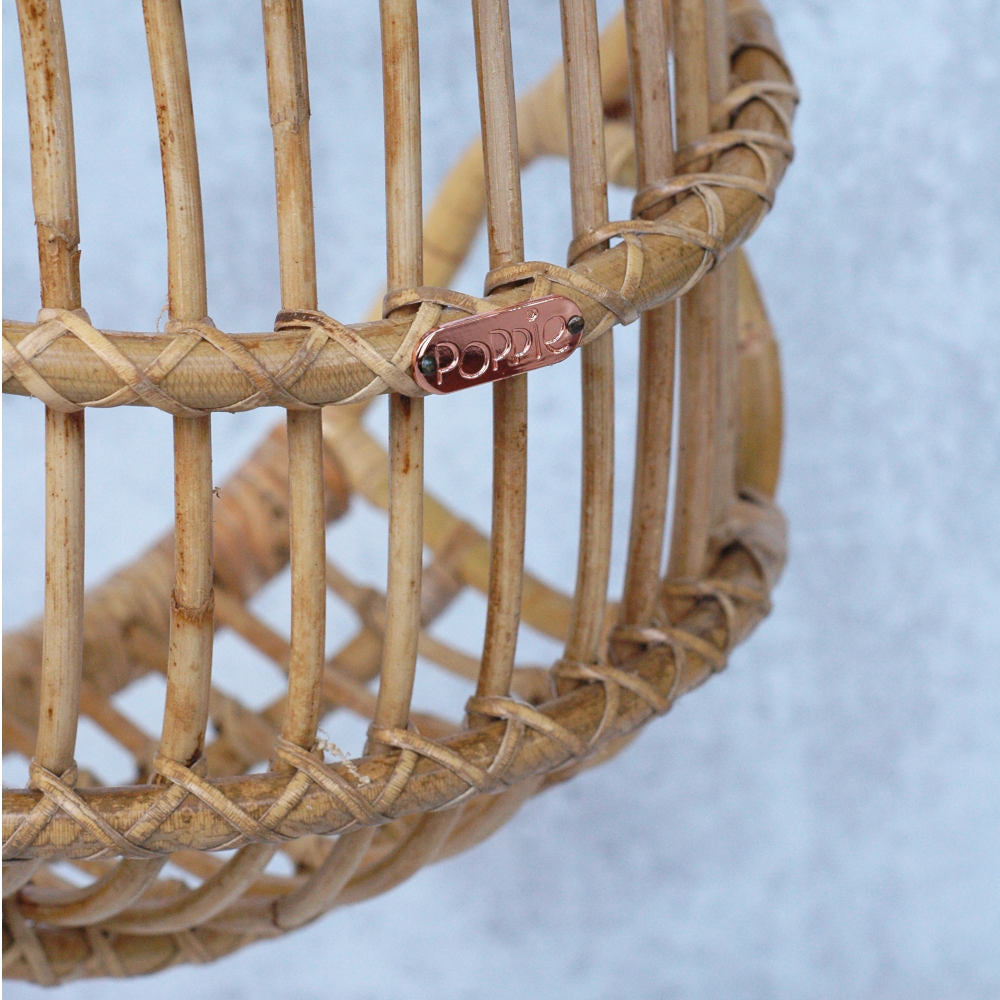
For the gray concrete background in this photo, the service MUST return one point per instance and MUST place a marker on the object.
(828, 823)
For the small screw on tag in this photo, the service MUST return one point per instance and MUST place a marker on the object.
(497, 345)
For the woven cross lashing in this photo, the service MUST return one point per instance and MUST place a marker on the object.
(686, 104)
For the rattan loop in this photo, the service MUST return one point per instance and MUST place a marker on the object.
(225, 772)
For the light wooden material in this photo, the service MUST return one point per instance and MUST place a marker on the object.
(648, 47)
(589, 202)
(502, 176)
(288, 100)
(271, 784)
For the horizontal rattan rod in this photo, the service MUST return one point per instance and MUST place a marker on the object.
(204, 866)
(189, 656)
(53, 184)
(501, 160)
(404, 269)
(648, 41)
(589, 203)
(209, 380)
(75, 371)
(194, 825)
(288, 103)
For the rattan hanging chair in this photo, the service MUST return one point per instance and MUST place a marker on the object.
(687, 103)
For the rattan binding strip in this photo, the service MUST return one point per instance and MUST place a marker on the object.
(193, 367)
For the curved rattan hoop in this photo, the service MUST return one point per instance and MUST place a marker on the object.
(70, 364)
(426, 786)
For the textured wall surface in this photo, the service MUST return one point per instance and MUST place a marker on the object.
(829, 824)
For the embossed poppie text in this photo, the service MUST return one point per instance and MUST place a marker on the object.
(497, 345)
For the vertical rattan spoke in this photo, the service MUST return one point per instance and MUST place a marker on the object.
(699, 326)
(589, 198)
(648, 41)
(307, 528)
(62, 643)
(494, 63)
(404, 269)
(189, 660)
(53, 153)
(288, 106)
(288, 100)
(53, 180)
(189, 654)
(55, 202)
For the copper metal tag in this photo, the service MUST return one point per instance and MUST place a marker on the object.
(496, 345)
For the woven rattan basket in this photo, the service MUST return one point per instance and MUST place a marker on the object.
(687, 103)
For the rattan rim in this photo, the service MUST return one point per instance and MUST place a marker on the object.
(72, 365)
(415, 795)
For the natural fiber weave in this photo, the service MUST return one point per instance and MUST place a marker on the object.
(427, 785)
